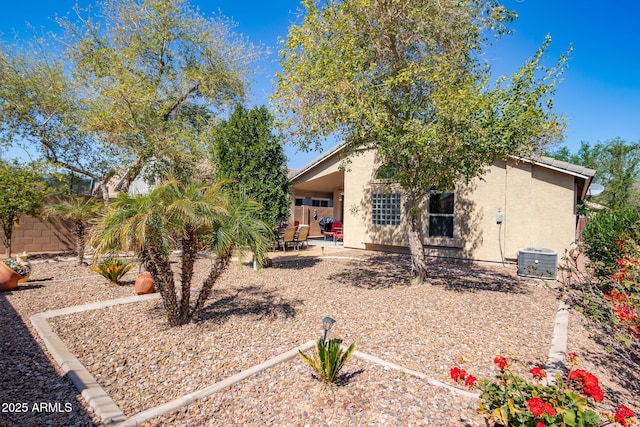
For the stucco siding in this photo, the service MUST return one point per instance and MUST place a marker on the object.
(536, 205)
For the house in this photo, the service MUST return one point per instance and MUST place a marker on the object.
(518, 203)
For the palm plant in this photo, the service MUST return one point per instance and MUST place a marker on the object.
(81, 211)
(182, 214)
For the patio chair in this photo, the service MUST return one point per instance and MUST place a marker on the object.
(336, 227)
(288, 237)
(338, 236)
(301, 238)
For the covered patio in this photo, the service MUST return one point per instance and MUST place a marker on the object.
(318, 192)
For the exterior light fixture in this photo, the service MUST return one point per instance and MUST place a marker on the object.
(327, 324)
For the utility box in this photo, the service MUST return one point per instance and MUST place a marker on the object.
(538, 262)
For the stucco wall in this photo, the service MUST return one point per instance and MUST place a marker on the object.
(536, 203)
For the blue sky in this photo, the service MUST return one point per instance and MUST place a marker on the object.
(600, 96)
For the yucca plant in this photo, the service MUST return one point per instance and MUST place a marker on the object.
(330, 359)
(112, 269)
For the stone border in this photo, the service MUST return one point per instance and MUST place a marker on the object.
(111, 415)
(558, 351)
(91, 391)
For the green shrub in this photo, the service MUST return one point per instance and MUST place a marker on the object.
(112, 269)
(601, 233)
(330, 359)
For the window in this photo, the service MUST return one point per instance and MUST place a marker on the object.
(320, 203)
(385, 209)
(313, 201)
(441, 214)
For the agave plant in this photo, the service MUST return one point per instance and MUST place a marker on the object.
(330, 359)
(112, 269)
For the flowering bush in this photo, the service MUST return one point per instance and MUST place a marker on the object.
(20, 267)
(514, 401)
(624, 296)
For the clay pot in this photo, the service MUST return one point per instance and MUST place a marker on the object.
(22, 259)
(144, 284)
(8, 278)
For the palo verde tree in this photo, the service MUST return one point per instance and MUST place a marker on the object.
(128, 84)
(183, 214)
(246, 151)
(405, 78)
(157, 73)
(42, 110)
(23, 190)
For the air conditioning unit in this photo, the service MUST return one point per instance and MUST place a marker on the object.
(538, 262)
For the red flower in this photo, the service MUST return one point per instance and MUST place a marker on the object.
(589, 382)
(538, 407)
(455, 373)
(628, 262)
(616, 296)
(470, 381)
(541, 424)
(573, 357)
(619, 276)
(537, 371)
(625, 313)
(501, 361)
(622, 414)
(635, 330)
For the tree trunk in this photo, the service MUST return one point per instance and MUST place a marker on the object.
(166, 286)
(220, 264)
(80, 242)
(8, 231)
(414, 236)
(189, 252)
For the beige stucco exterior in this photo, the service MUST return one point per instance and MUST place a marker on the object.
(537, 202)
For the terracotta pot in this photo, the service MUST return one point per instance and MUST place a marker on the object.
(144, 284)
(8, 278)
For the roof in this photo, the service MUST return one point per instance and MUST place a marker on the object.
(564, 166)
(549, 162)
(334, 150)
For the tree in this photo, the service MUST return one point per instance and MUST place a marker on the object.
(158, 72)
(405, 78)
(618, 169)
(80, 210)
(22, 192)
(246, 152)
(189, 214)
(41, 108)
(134, 84)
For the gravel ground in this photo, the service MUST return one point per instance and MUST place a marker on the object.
(469, 313)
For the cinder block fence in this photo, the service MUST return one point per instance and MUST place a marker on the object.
(37, 235)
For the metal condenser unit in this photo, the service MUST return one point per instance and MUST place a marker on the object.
(538, 262)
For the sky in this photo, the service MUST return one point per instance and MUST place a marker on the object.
(599, 98)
